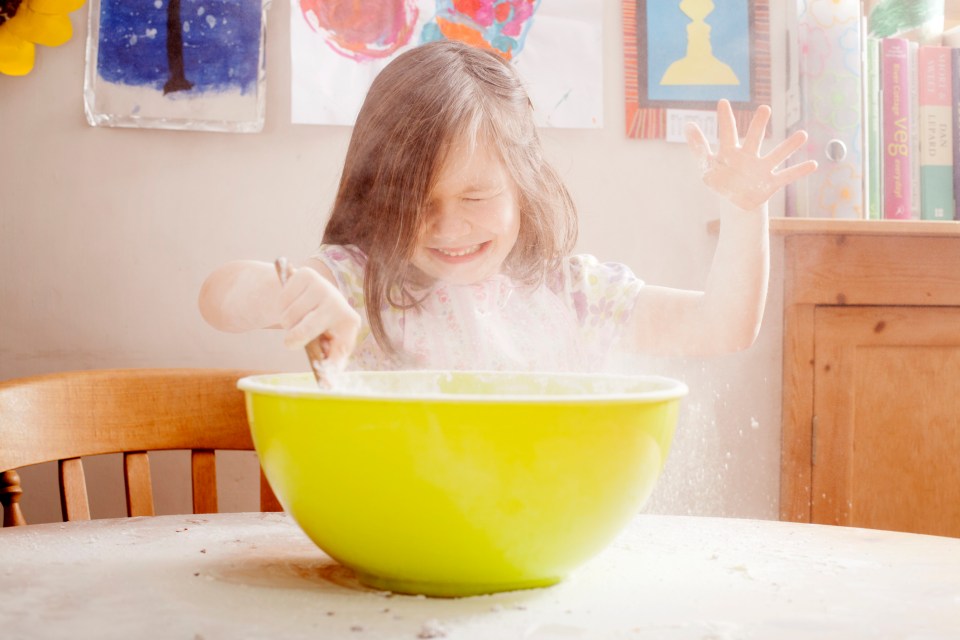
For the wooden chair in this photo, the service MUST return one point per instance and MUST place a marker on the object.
(65, 416)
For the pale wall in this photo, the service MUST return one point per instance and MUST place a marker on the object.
(106, 235)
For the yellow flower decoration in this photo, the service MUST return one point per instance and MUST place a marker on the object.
(26, 23)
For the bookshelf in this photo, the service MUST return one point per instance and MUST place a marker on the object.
(888, 100)
(871, 328)
(795, 226)
(783, 226)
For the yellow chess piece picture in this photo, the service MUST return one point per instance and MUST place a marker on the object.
(699, 66)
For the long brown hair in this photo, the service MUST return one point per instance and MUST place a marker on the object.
(423, 101)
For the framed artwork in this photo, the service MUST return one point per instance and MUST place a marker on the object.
(338, 47)
(176, 64)
(681, 56)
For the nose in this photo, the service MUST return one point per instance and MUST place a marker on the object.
(448, 222)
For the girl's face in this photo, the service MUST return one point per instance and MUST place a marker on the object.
(473, 217)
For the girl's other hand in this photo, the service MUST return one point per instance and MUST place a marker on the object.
(310, 306)
(737, 171)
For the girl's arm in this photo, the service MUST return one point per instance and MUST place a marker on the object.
(726, 315)
(246, 294)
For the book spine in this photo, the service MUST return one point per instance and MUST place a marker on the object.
(873, 140)
(914, 89)
(895, 78)
(955, 119)
(936, 133)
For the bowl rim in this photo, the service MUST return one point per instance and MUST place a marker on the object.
(672, 389)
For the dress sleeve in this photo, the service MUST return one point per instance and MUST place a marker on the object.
(602, 296)
(347, 264)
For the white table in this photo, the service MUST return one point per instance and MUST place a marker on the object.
(257, 576)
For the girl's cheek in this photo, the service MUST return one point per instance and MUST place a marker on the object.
(499, 215)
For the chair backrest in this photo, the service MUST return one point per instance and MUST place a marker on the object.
(65, 416)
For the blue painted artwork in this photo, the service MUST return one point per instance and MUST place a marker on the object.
(698, 51)
(200, 46)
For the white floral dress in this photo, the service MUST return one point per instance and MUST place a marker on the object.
(570, 323)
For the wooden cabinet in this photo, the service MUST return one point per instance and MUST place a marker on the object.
(871, 375)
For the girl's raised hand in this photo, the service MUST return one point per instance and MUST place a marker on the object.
(737, 171)
(310, 306)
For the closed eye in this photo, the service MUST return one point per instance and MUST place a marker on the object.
(480, 197)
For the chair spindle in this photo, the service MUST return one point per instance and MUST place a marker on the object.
(74, 504)
(136, 475)
(203, 463)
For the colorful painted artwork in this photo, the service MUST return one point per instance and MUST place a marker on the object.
(338, 46)
(498, 26)
(681, 56)
(176, 64)
(375, 30)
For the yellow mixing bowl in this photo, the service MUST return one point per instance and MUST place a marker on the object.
(462, 483)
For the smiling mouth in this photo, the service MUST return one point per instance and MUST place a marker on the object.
(460, 252)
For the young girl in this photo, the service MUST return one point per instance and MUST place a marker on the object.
(449, 242)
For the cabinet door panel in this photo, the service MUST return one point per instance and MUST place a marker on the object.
(887, 418)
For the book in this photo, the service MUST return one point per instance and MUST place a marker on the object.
(895, 117)
(955, 118)
(873, 140)
(936, 133)
(951, 38)
(914, 86)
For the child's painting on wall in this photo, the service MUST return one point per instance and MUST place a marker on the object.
(176, 64)
(338, 46)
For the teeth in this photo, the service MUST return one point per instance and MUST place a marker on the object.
(462, 252)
